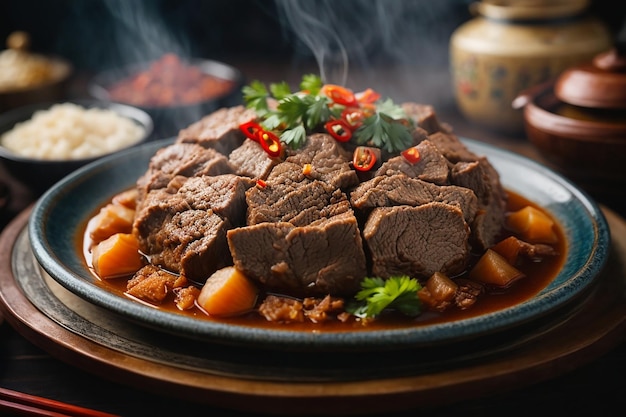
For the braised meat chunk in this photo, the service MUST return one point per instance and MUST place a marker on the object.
(417, 241)
(325, 257)
(218, 130)
(431, 167)
(329, 161)
(181, 159)
(251, 160)
(183, 229)
(396, 190)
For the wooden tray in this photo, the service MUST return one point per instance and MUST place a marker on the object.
(109, 346)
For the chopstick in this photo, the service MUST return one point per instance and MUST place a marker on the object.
(25, 404)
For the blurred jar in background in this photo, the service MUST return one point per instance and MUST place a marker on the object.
(514, 44)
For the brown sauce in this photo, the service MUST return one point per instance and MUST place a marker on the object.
(538, 276)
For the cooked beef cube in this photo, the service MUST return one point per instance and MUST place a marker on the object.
(290, 175)
(251, 160)
(186, 159)
(451, 147)
(481, 177)
(431, 167)
(300, 206)
(155, 208)
(185, 231)
(291, 196)
(417, 241)
(192, 242)
(329, 161)
(467, 293)
(399, 190)
(419, 135)
(223, 194)
(424, 116)
(324, 257)
(218, 130)
(153, 284)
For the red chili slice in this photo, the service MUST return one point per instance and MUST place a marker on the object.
(368, 96)
(354, 117)
(270, 143)
(339, 129)
(251, 129)
(364, 158)
(412, 155)
(340, 95)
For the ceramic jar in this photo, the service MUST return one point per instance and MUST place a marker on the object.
(511, 46)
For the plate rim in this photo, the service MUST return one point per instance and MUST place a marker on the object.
(543, 303)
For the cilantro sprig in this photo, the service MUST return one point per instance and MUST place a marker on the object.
(377, 294)
(296, 115)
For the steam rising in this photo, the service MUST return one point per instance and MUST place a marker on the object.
(319, 34)
(351, 38)
(141, 31)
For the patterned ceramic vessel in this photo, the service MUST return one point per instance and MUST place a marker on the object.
(512, 45)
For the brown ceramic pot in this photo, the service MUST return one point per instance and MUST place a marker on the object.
(587, 144)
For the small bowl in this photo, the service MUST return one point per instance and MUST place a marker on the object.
(40, 174)
(169, 119)
(52, 87)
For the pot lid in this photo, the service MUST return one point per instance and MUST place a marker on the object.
(529, 9)
(600, 84)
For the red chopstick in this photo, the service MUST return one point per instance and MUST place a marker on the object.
(30, 405)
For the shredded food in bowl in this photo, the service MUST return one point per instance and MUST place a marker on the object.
(71, 131)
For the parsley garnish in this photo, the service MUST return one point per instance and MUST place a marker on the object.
(305, 112)
(255, 95)
(377, 294)
(382, 131)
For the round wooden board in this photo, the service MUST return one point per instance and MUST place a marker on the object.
(97, 342)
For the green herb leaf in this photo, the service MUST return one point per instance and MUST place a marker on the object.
(317, 111)
(255, 96)
(295, 137)
(377, 295)
(383, 131)
(280, 90)
(272, 121)
(391, 109)
(291, 110)
(311, 83)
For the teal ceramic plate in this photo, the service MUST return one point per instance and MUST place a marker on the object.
(59, 215)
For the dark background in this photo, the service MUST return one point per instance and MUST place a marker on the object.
(98, 34)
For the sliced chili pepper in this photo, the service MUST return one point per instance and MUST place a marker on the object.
(270, 143)
(340, 95)
(260, 183)
(251, 129)
(368, 96)
(339, 129)
(364, 158)
(412, 155)
(354, 116)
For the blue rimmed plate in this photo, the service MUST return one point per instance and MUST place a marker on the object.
(58, 218)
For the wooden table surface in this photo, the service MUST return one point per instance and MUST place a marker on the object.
(593, 388)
